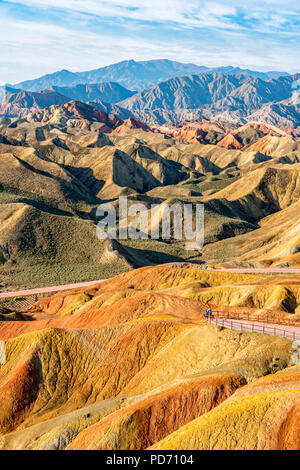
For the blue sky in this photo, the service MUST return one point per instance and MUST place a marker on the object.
(43, 36)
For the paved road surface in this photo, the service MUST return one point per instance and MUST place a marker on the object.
(44, 290)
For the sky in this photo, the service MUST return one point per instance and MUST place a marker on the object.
(43, 36)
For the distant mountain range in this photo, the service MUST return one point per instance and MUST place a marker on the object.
(108, 91)
(21, 102)
(134, 75)
(217, 96)
(102, 96)
(192, 92)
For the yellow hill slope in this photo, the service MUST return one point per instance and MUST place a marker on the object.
(258, 421)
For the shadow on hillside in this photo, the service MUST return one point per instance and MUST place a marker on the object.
(75, 191)
(87, 179)
(44, 207)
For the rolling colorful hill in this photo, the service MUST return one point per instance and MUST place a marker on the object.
(132, 364)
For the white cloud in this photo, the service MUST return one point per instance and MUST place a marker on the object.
(35, 47)
(186, 13)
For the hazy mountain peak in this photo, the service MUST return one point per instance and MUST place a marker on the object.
(135, 75)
